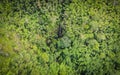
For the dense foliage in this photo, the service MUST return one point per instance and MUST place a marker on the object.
(59, 37)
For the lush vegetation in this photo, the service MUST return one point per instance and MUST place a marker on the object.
(59, 37)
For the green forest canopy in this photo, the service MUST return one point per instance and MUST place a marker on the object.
(59, 37)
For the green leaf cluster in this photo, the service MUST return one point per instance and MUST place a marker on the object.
(29, 42)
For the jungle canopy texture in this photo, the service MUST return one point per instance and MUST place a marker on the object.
(59, 37)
